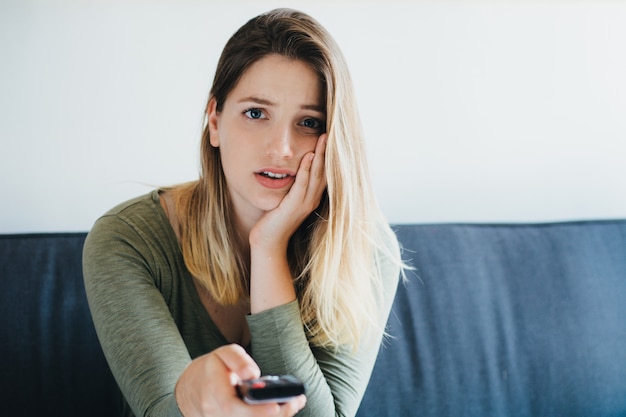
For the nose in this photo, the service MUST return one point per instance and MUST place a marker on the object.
(280, 143)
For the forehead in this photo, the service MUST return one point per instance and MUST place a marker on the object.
(281, 79)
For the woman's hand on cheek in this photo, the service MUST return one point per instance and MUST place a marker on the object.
(276, 226)
(207, 387)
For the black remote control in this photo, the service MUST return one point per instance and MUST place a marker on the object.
(270, 388)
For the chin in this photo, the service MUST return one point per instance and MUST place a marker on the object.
(268, 204)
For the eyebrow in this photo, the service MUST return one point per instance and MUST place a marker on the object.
(265, 102)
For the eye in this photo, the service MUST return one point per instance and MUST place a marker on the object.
(254, 113)
(312, 123)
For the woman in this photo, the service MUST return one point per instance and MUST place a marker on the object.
(276, 261)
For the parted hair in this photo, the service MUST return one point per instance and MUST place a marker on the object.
(337, 255)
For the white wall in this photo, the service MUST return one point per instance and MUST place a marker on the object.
(474, 110)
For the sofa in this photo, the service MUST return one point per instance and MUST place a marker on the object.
(494, 320)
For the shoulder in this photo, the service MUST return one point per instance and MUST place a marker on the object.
(139, 223)
(142, 214)
(135, 208)
(133, 242)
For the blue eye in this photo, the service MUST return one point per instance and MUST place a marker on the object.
(254, 113)
(312, 123)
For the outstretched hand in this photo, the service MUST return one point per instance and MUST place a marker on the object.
(207, 387)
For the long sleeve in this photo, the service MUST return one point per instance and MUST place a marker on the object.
(335, 381)
(151, 322)
(139, 337)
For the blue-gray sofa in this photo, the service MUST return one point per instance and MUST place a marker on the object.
(496, 320)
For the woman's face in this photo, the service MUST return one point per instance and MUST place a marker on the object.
(269, 121)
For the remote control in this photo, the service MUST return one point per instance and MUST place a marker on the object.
(270, 388)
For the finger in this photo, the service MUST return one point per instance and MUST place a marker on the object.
(314, 160)
(292, 407)
(317, 177)
(237, 360)
(299, 188)
(257, 410)
(312, 163)
(318, 167)
(307, 188)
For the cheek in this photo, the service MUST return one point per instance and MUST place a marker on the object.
(307, 146)
(237, 146)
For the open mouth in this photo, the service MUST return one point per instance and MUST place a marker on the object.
(273, 175)
(275, 180)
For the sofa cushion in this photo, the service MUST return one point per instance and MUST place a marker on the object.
(51, 362)
(507, 320)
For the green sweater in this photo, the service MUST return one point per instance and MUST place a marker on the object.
(151, 322)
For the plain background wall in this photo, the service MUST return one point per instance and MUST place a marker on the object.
(474, 111)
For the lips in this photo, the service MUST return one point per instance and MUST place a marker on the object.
(275, 178)
(274, 175)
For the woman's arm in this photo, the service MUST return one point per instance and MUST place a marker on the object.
(140, 338)
(335, 381)
(271, 283)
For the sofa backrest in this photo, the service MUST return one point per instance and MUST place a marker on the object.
(507, 320)
(50, 361)
(497, 320)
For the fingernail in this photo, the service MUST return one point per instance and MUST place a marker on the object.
(250, 372)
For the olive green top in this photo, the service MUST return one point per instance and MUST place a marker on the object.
(151, 322)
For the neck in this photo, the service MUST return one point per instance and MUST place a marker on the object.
(243, 226)
(245, 218)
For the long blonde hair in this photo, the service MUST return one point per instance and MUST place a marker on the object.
(337, 255)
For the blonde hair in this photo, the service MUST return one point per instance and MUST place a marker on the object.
(337, 255)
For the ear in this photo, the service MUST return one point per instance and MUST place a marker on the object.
(212, 120)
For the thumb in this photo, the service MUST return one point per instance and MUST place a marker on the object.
(238, 362)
